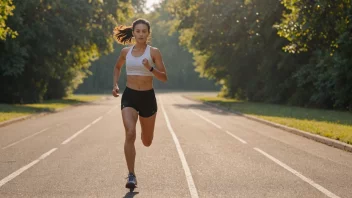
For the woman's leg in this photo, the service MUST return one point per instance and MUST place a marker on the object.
(147, 126)
(130, 117)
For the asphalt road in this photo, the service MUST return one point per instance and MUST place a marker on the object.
(198, 151)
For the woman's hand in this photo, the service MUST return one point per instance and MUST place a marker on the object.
(146, 64)
(115, 91)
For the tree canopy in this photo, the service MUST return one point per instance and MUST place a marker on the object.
(55, 45)
(288, 51)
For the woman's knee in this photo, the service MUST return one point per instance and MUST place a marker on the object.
(147, 140)
(130, 135)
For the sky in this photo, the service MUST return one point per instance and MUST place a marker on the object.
(149, 3)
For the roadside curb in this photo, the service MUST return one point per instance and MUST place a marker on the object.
(318, 138)
(8, 122)
(36, 115)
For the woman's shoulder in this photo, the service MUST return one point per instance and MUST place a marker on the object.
(125, 50)
(154, 50)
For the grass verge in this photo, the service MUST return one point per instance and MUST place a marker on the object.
(11, 111)
(332, 124)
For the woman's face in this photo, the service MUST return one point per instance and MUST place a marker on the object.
(141, 33)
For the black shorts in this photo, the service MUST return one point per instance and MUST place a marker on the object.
(144, 102)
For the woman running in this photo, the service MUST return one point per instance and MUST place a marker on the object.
(143, 62)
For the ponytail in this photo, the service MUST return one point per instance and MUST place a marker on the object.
(123, 34)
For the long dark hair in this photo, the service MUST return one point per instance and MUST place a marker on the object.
(123, 34)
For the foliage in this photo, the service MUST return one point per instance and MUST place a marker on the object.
(6, 10)
(56, 42)
(287, 51)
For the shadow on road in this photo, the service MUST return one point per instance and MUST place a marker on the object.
(47, 106)
(130, 194)
(274, 110)
(203, 107)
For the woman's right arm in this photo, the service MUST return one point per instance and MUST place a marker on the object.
(117, 70)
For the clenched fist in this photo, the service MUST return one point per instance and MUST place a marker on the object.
(115, 91)
(146, 63)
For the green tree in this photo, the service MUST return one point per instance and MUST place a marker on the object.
(309, 25)
(322, 29)
(234, 43)
(242, 44)
(6, 10)
(56, 44)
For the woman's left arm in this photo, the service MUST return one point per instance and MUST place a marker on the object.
(159, 71)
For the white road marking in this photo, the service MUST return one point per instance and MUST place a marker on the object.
(24, 168)
(206, 119)
(239, 139)
(97, 120)
(191, 185)
(219, 127)
(81, 131)
(309, 181)
(12, 144)
(25, 138)
(112, 109)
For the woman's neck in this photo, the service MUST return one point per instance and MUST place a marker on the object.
(140, 45)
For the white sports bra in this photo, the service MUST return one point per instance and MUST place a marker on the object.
(134, 65)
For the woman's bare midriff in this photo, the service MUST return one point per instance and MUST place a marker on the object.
(141, 83)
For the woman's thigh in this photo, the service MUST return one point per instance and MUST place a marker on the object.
(147, 126)
(129, 117)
